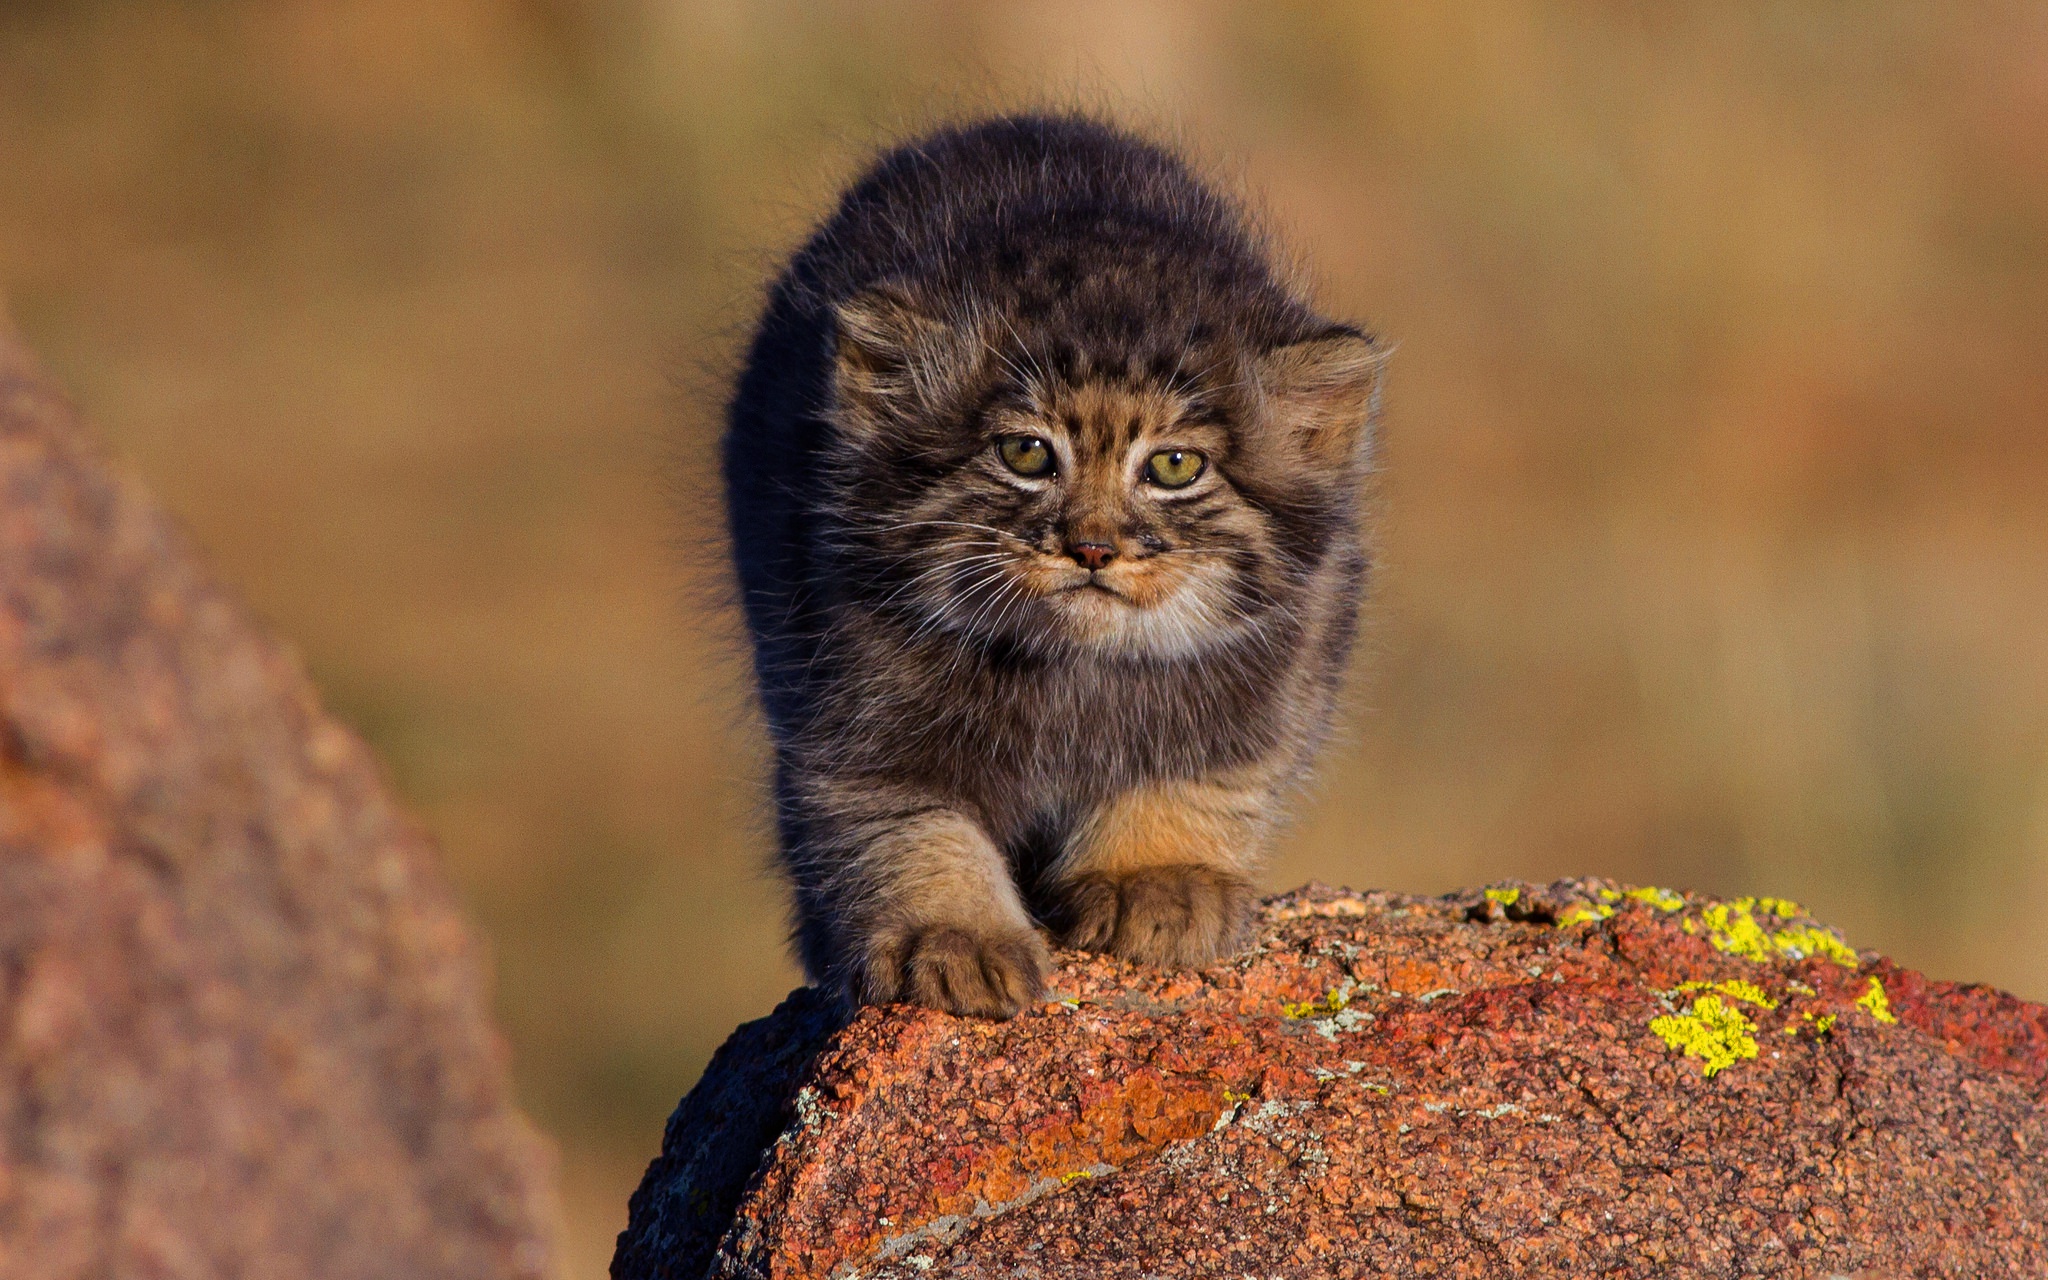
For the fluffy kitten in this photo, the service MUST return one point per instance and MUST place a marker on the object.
(1045, 492)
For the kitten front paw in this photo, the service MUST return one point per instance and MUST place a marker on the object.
(955, 969)
(1183, 916)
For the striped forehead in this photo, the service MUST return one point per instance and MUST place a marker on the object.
(1103, 419)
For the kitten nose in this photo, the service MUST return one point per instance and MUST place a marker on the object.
(1091, 555)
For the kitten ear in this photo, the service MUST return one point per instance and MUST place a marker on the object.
(892, 360)
(1325, 391)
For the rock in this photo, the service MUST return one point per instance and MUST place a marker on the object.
(243, 1030)
(1563, 1081)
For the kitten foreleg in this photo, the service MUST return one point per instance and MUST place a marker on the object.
(919, 907)
(1162, 874)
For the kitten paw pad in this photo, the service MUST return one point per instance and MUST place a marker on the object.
(958, 971)
(1176, 916)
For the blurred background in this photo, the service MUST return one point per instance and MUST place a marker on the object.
(1715, 494)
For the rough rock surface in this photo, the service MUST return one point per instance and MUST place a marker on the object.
(243, 1031)
(1568, 1081)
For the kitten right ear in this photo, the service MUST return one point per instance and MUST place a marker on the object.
(892, 360)
(1326, 390)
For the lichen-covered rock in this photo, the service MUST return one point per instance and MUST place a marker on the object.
(243, 1031)
(1561, 1081)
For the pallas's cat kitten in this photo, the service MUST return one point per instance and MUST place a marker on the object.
(1044, 487)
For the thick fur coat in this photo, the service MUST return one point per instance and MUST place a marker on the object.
(1045, 491)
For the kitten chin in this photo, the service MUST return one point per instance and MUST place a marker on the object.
(1167, 612)
(1044, 489)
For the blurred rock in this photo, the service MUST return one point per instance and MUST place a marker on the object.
(243, 1031)
(1563, 1081)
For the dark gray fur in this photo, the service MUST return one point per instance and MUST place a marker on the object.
(1029, 251)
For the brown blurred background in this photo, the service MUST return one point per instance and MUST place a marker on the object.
(1716, 455)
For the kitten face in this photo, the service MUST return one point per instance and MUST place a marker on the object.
(1161, 505)
(1109, 521)
(1104, 514)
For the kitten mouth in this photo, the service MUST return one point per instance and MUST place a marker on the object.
(1092, 583)
(1080, 584)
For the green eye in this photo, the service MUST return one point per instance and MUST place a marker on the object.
(1026, 455)
(1174, 468)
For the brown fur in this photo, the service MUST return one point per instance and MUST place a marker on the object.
(1074, 700)
(1162, 874)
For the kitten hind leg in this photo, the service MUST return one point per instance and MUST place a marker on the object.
(919, 908)
(1162, 874)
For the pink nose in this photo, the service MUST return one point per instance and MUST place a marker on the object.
(1091, 555)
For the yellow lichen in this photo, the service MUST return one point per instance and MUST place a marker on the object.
(1582, 912)
(1662, 899)
(1875, 1003)
(1820, 1024)
(1320, 1007)
(1732, 928)
(1712, 1031)
(1505, 897)
(1748, 992)
(1609, 895)
(1783, 908)
(1799, 943)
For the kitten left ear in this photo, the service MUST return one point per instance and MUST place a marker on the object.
(1325, 391)
(892, 359)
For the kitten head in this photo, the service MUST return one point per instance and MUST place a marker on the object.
(1018, 483)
